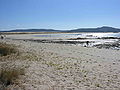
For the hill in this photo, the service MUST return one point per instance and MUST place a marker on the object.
(100, 29)
(33, 30)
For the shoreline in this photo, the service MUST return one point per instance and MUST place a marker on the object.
(114, 45)
(99, 42)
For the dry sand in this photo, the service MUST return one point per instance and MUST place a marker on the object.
(66, 67)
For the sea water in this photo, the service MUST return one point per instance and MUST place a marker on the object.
(76, 35)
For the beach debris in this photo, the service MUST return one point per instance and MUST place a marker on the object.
(2, 37)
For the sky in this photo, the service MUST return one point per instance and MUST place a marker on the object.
(58, 14)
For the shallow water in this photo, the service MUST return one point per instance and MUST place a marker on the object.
(75, 35)
(93, 38)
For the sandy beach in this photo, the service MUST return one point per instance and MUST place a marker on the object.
(54, 66)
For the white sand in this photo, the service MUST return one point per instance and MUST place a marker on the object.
(68, 67)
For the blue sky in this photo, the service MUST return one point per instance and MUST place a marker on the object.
(59, 14)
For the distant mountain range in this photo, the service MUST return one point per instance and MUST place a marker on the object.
(33, 30)
(100, 29)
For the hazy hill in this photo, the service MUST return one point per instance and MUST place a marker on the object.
(34, 30)
(100, 29)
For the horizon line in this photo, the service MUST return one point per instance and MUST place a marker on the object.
(58, 29)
